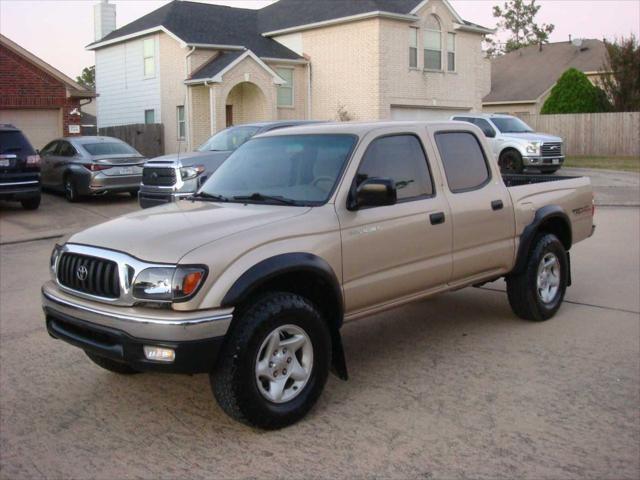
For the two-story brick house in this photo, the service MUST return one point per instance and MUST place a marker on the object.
(198, 68)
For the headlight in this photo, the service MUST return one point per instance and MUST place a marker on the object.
(534, 148)
(53, 262)
(168, 284)
(187, 173)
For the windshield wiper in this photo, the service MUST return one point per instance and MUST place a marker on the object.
(209, 197)
(259, 197)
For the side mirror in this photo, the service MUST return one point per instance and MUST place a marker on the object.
(489, 133)
(374, 192)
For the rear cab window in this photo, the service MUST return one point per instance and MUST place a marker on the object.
(463, 159)
(401, 158)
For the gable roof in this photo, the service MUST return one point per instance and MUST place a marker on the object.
(73, 87)
(204, 24)
(525, 74)
(214, 70)
(209, 24)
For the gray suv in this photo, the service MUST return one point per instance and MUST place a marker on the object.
(170, 177)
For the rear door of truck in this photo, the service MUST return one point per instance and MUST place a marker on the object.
(481, 208)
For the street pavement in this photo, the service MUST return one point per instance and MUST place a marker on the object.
(451, 387)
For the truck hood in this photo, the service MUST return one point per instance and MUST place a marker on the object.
(533, 137)
(192, 158)
(165, 234)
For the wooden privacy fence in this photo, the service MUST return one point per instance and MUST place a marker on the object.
(148, 139)
(600, 134)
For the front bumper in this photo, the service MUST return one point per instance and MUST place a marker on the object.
(543, 162)
(120, 333)
(152, 197)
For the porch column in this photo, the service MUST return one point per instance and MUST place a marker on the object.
(212, 110)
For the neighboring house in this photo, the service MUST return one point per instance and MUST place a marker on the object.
(522, 80)
(35, 97)
(197, 68)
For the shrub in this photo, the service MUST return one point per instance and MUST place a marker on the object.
(574, 93)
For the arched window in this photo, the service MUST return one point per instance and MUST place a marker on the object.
(432, 44)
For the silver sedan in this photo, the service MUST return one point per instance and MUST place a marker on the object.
(81, 166)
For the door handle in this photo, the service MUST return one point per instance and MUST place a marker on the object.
(497, 205)
(436, 218)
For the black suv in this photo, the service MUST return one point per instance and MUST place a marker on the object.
(19, 168)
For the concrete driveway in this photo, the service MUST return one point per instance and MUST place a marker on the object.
(451, 387)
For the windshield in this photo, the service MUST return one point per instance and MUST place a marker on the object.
(229, 139)
(511, 125)
(301, 169)
(109, 148)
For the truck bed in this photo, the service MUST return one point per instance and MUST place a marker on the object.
(515, 180)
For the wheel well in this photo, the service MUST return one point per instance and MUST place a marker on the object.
(509, 149)
(307, 284)
(558, 227)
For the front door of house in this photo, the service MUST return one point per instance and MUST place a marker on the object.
(229, 115)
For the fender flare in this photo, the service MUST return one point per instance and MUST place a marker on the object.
(297, 262)
(529, 233)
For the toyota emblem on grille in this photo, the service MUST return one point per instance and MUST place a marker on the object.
(82, 273)
(154, 175)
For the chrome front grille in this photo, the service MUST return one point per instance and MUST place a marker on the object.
(91, 275)
(158, 176)
(551, 149)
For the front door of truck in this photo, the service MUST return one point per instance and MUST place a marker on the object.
(395, 251)
(483, 222)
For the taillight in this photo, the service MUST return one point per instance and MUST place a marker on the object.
(33, 160)
(95, 167)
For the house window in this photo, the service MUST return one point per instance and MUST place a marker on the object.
(180, 121)
(149, 116)
(432, 44)
(149, 48)
(413, 47)
(451, 52)
(285, 91)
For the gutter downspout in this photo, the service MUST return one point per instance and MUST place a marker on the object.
(187, 107)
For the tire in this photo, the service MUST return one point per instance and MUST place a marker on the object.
(511, 162)
(31, 203)
(134, 194)
(70, 189)
(111, 365)
(526, 297)
(238, 387)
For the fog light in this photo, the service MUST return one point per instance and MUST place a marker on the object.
(159, 354)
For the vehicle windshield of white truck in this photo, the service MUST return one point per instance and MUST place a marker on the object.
(287, 170)
(511, 125)
(229, 139)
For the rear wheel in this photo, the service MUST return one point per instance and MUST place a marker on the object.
(111, 365)
(275, 362)
(510, 162)
(70, 189)
(31, 203)
(537, 293)
(134, 193)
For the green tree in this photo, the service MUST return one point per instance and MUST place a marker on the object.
(621, 83)
(574, 93)
(88, 77)
(518, 18)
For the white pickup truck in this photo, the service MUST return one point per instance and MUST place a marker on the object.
(515, 145)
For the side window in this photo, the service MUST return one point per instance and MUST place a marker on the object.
(149, 57)
(463, 160)
(285, 91)
(50, 148)
(402, 159)
(486, 128)
(66, 150)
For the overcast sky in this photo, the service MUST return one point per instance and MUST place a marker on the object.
(58, 30)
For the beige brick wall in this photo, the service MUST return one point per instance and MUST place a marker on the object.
(299, 109)
(200, 125)
(199, 57)
(345, 69)
(173, 91)
(401, 85)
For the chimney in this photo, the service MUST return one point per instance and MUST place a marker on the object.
(104, 19)
(569, 38)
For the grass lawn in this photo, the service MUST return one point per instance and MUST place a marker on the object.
(629, 164)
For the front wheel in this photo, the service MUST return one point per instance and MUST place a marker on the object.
(537, 292)
(275, 362)
(511, 162)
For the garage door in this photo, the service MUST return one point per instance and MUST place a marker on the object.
(416, 113)
(40, 126)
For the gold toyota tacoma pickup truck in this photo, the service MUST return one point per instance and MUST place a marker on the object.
(300, 230)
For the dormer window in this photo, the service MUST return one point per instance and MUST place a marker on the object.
(432, 44)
